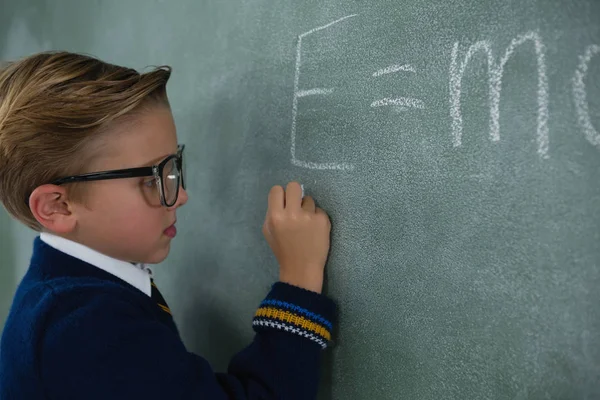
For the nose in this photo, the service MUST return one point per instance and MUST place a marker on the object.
(182, 198)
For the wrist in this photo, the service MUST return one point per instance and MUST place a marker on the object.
(312, 284)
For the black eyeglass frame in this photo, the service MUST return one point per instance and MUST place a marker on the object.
(154, 170)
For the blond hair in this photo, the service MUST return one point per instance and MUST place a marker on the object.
(53, 106)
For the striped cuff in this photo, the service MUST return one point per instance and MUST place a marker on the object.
(301, 312)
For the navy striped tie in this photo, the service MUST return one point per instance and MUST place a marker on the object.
(160, 300)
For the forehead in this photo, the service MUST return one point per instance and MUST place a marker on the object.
(143, 139)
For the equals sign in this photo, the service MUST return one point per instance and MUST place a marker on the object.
(401, 103)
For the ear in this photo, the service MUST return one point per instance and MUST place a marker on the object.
(51, 208)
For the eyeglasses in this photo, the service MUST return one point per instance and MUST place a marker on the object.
(168, 175)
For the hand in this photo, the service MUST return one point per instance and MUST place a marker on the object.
(298, 233)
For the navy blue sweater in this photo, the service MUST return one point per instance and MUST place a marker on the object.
(77, 332)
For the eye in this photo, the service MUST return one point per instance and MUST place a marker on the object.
(149, 183)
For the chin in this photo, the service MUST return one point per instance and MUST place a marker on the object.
(159, 255)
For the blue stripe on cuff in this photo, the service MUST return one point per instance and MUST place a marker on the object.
(283, 304)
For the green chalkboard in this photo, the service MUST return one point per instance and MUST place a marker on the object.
(455, 145)
(7, 268)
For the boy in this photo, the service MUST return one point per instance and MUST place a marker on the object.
(89, 157)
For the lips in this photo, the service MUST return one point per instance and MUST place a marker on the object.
(171, 231)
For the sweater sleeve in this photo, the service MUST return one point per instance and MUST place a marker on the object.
(293, 327)
(109, 348)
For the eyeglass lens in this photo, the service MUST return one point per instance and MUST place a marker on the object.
(171, 179)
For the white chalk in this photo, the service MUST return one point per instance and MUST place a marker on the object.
(323, 166)
(302, 186)
(315, 91)
(400, 101)
(495, 72)
(326, 26)
(580, 96)
(310, 92)
(394, 68)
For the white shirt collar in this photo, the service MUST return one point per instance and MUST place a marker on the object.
(137, 275)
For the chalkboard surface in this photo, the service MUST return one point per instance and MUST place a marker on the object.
(455, 145)
(7, 264)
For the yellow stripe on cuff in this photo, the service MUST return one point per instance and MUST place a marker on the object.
(298, 320)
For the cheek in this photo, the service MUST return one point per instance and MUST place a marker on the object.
(125, 207)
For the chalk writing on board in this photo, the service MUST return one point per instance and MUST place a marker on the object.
(495, 72)
(457, 73)
(579, 95)
(393, 68)
(400, 101)
(311, 92)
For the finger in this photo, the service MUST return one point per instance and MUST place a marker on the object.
(308, 204)
(293, 195)
(324, 215)
(276, 198)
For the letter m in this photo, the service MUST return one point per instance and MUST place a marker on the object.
(495, 72)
